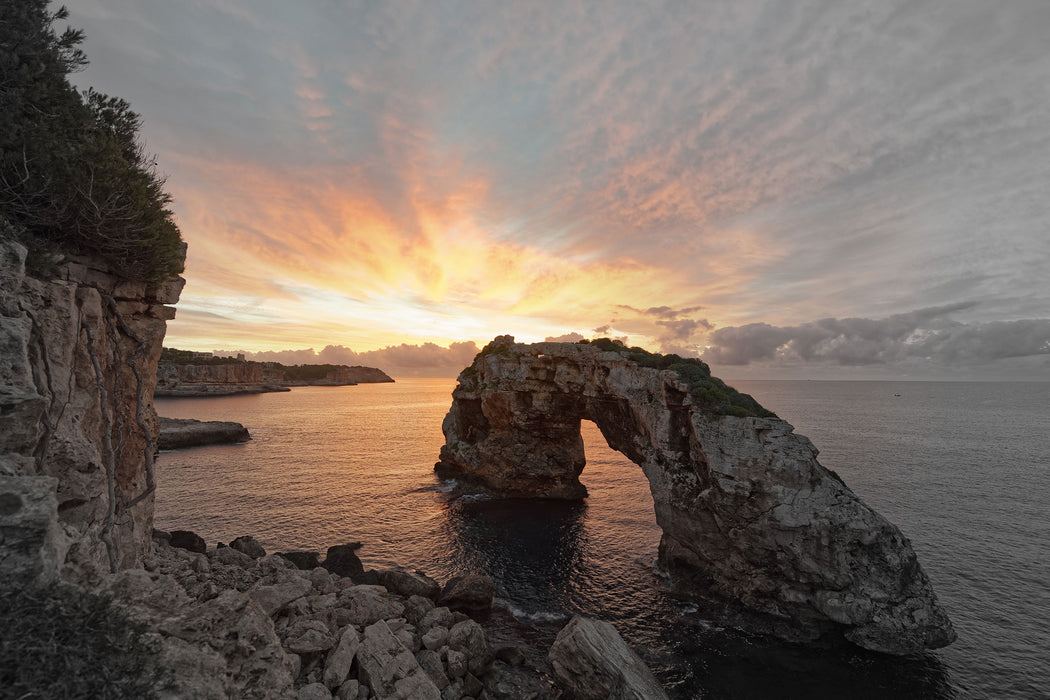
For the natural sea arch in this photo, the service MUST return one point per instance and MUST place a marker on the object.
(750, 519)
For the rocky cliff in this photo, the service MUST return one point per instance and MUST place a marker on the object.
(214, 380)
(187, 379)
(751, 520)
(78, 358)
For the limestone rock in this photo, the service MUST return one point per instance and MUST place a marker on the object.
(590, 661)
(390, 670)
(273, 598)
(191, 541)
(302, 560)
(337, 665)
(751, 520)
(367, 605)
(469, 638)
(314, 691)
(246, 544)
(468, 592)
(408, 584)
(232, 557)
(342, 560)
(77, 370)
(177, 433)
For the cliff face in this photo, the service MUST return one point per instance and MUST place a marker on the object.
(213, 380)
(179, 379)
(78, 358)
(751, 520)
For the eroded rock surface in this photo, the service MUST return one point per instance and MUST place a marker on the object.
(177, 433)
(751, 520)
(78, 362)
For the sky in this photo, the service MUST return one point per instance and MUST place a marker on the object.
(832, 189)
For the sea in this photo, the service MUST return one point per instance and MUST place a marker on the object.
(962, 468)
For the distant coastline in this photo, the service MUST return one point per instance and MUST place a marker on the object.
(192, 374)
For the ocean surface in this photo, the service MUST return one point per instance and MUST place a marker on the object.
(962, 468)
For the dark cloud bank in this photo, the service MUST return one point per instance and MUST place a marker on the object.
(926, 335)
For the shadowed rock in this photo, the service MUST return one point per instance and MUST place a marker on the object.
(176, 433)
(751, 520)
(185, 539)
(302, 560)
(342, 560)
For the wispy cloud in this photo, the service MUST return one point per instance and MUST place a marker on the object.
(664, 170)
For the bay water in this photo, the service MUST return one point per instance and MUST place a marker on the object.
(962, 468)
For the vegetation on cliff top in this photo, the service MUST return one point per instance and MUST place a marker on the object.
(709, 393)
(74, 177)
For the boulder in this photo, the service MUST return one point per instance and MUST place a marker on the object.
(590, 661)
(232, 557)
(409, 584)
(178, 433)
(367, 605)
(471, 592)
(302, 560)
(185, 539)
(246, 544)
(390, 670)
(273, 598)
(469, 638)
(340, 658)
(342, 560)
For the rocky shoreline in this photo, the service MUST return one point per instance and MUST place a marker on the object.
(234, 621)
(177, 433)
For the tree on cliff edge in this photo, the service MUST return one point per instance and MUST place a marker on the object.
(74, 177)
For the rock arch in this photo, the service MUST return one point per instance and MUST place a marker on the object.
(750, 519)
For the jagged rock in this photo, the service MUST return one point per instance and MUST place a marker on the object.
(350, 690)
(308, 636)
(434, 638)
(273, 598)
(219, 648)
(416, 607)
(469, 638)
(408, 584)
(590, 661)
(367, 605)
(430, 661)
(457, 663)
(302, 560)
(232, 557)
(61, 341)
(390, 670)
(314, 691)
(438, 617)
(342, 560)
(337, 665)
(472, 592)
(190, 541)
(751, 520)
(246, 544)
(178, 433)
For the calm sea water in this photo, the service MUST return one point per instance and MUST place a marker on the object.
(962, 468)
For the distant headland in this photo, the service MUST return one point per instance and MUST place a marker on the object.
(188, 373)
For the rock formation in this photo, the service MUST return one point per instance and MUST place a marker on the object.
(78, 358)
(751, 520)
(176, 433)
(247, 377)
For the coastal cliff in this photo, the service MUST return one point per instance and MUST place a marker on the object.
(751, 520)
(224, 377)
(77, 425)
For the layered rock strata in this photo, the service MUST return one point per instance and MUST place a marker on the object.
(78, 358)
(751, 520)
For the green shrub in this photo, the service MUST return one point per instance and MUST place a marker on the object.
(74, 178)
(709, 393)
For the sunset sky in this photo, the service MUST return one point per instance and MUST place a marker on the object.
(790, 189)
